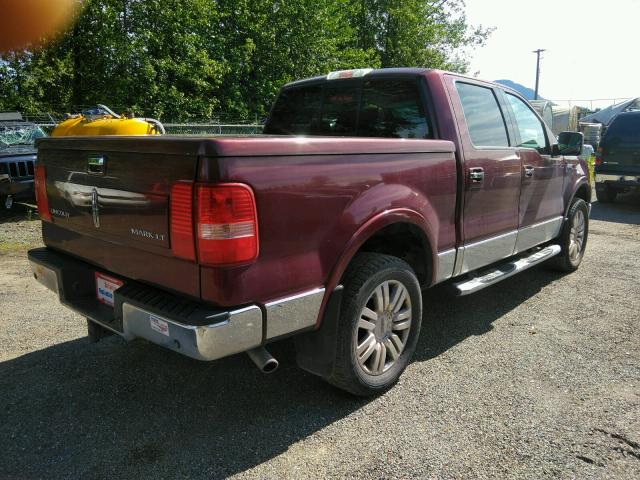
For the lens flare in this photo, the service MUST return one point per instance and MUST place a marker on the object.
(25, 23)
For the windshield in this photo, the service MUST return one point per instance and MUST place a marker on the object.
(19, 134)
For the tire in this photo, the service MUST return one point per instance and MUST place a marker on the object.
(606, 194)
(385, 342)
(572, 242)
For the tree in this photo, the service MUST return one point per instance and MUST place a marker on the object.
(422, 33)
(189, 59)
(270, 43)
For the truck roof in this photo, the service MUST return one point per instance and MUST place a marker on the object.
(369, 73)
(386, 72)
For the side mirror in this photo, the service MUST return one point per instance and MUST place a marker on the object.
(569, 143)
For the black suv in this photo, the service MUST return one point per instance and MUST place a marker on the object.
(17, 157)
(618, 157)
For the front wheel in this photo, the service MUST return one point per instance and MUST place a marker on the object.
(573, 238)
(379, 324)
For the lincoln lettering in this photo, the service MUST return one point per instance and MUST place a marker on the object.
(59, 213)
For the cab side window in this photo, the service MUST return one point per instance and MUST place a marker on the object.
(529, 125)
(483, 115)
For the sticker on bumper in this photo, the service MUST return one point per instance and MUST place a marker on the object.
(159, 325)
(105, 286)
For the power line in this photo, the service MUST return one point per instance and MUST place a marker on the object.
(613, 99)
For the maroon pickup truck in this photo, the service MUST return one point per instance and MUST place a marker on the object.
(366, 187)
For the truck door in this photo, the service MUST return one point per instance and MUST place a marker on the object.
(541, 203)
(491, 173)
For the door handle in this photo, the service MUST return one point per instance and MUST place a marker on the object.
(476, 176)
(528, 171)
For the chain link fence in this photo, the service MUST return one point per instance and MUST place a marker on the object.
(212, 129)
(192, 128)
(221, 124)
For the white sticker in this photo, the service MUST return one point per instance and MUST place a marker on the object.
(159, 325)
(105, 286)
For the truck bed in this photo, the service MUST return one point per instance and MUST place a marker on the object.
(319, 189)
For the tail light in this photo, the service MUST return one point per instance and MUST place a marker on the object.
(222, 219)
(227, 224)
(41, 193)
(599, 156)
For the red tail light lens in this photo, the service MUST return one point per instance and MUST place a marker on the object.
(227, 224)
(182, 241)
(599, 156)
(41, 193)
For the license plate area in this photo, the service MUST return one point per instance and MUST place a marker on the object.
(106, 285)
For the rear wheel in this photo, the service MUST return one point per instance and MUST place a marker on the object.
(573, 238)
(379, 325)
(606, 194)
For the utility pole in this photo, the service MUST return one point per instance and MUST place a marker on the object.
(538, 52)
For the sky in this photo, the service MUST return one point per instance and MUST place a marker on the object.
(593, 47)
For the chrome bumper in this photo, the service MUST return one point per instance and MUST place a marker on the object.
(219, 334)
(242, 331)
(626, 179)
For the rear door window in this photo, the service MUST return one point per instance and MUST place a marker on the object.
(529, 125)
(485, 121)
(390, 108)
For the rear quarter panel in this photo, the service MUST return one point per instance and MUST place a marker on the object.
(313, 211)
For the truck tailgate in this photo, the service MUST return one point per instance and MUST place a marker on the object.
(109, 203)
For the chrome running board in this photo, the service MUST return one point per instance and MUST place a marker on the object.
(505, 270)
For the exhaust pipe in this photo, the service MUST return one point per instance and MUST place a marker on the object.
(263, 359)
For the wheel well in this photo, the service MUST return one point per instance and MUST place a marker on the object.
(584, 192)
(405, 241)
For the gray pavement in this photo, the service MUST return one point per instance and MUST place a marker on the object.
(536, 377)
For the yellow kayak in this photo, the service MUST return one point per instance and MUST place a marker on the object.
(103, 121)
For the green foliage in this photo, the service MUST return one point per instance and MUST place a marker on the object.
(421, 33)
(186, 59)
(591, 163)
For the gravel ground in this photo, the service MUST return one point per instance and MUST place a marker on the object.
(537, 377)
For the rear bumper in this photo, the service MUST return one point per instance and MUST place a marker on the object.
(232, 332)
(194, 329)
(614, 180)
(22, 188)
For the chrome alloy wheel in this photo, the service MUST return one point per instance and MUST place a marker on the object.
(383, 327)
(576, 236)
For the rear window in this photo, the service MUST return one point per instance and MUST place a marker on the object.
(372, 108)
(339, 111)
(296, 111)
(625, 128)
